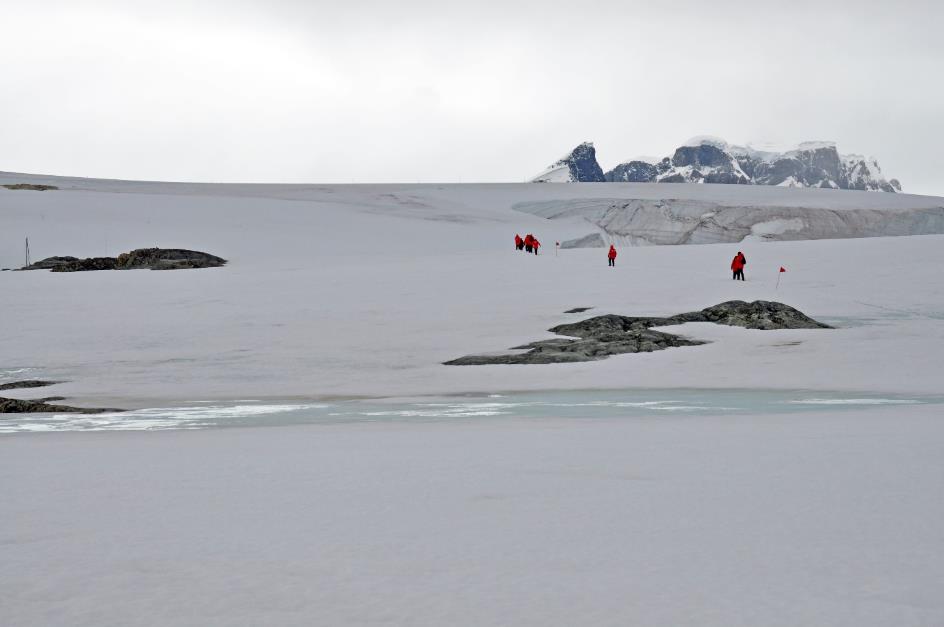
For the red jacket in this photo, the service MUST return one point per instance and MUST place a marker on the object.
(738, 263)
(518, 240)
(536, 243)
(612, 253)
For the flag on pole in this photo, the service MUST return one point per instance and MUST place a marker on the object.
(782, 270)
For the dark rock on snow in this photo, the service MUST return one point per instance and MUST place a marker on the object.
(31, 383)
(83, 265)
(29, 186)
(760, 314)
(141, 258)
(17, 406)
(578, 309)
(602, 336)
(168, 259)
(49, 263)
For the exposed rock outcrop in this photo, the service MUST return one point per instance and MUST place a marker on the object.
(141, 258)
(49, 263)
(602, 336)
(22, 385)
(86, 265)
(18, 406)
(167, 259)
(29, 186)
(760, 314)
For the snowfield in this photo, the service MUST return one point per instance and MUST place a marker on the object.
(364, 291)
(828, 517)
(819, 520)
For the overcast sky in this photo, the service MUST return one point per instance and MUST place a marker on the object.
(408, 90)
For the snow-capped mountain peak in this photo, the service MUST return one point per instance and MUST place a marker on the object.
(579, 165)
(706, 140)
(708, 159)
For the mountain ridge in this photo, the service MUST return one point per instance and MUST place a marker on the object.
(708, 159)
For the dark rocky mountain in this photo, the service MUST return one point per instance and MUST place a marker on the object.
(712, 160)
(580, 165)
(633, 172)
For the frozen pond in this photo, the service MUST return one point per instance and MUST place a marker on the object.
(587, 404)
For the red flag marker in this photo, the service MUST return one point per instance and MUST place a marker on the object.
(782, 270)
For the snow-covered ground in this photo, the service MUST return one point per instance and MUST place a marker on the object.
(364, 290)
(809, 518)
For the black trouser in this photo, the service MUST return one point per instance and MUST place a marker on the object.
(739, 275)
(612, 262)
(527, 249)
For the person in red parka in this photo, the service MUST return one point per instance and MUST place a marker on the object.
(737, 266)
(519, 243)
(528, 242)
(612, 255)
(536, 244)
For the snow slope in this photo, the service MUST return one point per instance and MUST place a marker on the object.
(365, 290)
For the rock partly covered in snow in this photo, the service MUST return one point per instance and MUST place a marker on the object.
(713, 160)
(760, 314)
(602, 336)
(578, 166)
(19, 406)
(168, 259)
(33, 187)
(50, 262)
(29, 383)
(142, 258)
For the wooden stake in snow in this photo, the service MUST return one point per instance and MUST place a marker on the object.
(556, 248)
(27, 251)
(782, 270)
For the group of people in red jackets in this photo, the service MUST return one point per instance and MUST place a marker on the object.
(529, 244)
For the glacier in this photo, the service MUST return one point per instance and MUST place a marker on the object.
(669, 221)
